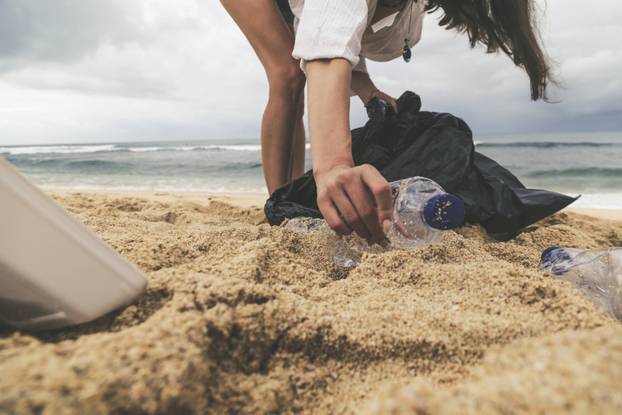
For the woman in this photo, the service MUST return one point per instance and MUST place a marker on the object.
(325, 42)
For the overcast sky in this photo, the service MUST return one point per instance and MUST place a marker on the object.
(118, 70)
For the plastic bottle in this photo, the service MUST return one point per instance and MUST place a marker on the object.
(422, 210)
(597, 273)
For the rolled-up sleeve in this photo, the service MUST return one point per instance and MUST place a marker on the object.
(361, 66)
(330, 29)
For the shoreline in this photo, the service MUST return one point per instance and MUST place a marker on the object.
(609, 214)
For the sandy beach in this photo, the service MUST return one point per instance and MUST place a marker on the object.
(241, 317)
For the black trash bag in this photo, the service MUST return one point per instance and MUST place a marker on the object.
(438, 146)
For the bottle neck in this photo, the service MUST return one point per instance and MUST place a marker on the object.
(443, 212)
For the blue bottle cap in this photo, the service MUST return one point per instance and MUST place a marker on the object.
(548, 254)
(444, 212)
(554, 259)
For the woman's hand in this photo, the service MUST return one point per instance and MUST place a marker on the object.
(363, 86)
(355, 199)
(385, 97)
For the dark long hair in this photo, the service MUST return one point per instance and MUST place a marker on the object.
(506, 25)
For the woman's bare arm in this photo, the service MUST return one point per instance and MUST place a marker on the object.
(350, 198)
(329, 107)
(365, 89)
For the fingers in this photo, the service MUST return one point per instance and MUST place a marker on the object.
(390, 100)
(381, 191)
(385, 97)
(365, 206)
(332, 217)
(349, 212)
(340, 211)
(393, 103)
(356, 199)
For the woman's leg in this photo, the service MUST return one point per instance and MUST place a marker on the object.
(273, 41)
(299, 143)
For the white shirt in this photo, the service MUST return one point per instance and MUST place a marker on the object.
(342, 29)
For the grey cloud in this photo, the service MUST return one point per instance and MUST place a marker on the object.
(62, 30)
(66, 31)
(166, 70)
(127, 85)
(107, 47)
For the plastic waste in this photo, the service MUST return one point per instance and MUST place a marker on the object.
(422, 210)
(438, 146)
(597, 273)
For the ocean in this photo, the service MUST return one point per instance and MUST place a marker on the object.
(589, 164)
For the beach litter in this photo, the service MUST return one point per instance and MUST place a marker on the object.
(597, 273)
(422, 212)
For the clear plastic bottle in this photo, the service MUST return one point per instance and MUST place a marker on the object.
(422, 210)
(597, 273)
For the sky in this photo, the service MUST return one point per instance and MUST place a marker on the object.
(146, 70)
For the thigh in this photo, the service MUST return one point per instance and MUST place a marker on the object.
(265, 28)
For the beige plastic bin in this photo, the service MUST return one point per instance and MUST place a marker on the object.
(54, 272)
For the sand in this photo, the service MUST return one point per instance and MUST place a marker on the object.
(240, 317)
(612, 214)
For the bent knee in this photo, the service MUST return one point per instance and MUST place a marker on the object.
(287, 81)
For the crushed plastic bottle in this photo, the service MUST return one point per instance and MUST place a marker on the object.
(422, 210)
(597, 273)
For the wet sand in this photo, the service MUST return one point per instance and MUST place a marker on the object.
(240, 317)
